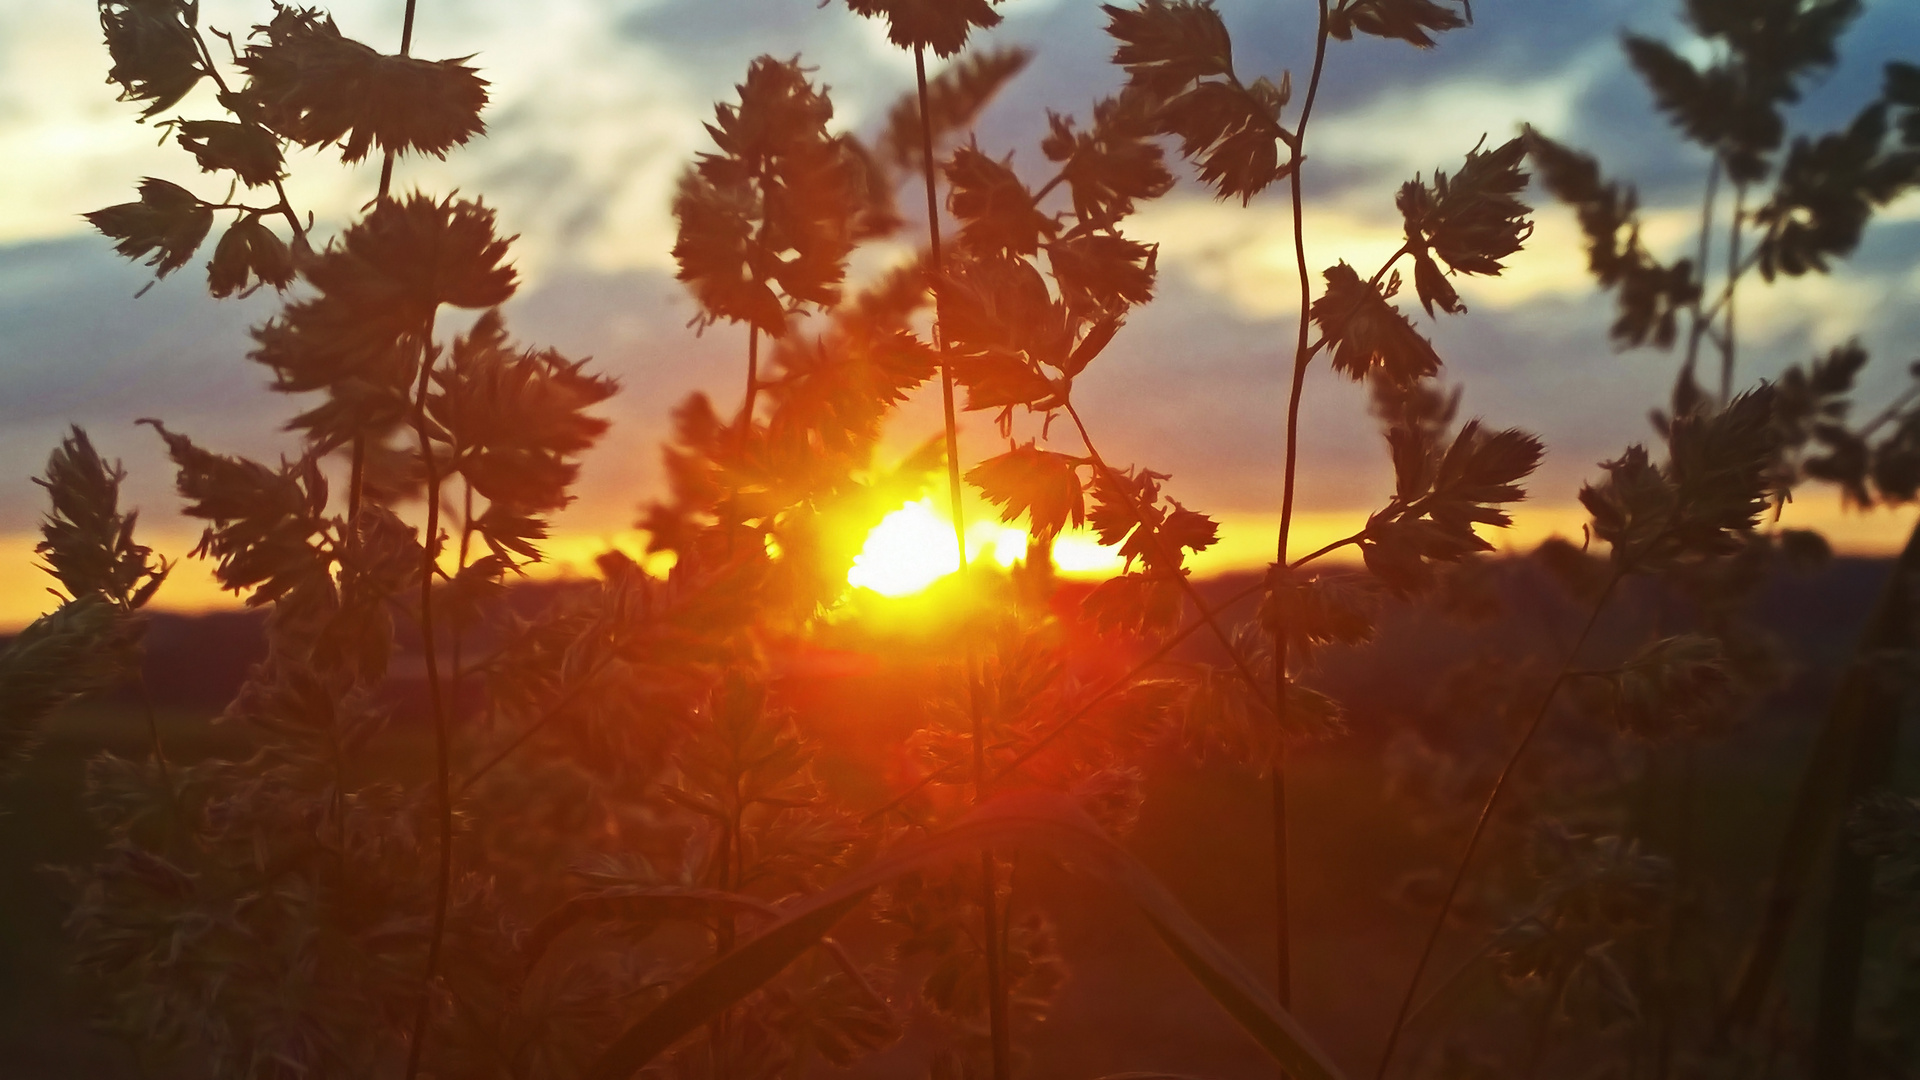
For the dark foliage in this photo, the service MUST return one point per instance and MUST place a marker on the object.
(249, 151)
(315, 87)
(155, 50)
(1651, 294)
(375, 291)
(1412, 21)
(1365, 334)
(1440, 493)
(636, 833)
(1713, 488)
(87, 541)
(940, 25)
(169, 222)
(1177, 53)
(772, 209)
(1828, 189)
(1041, 485)
(1470, 221)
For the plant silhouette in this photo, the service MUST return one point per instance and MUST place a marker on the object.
(505, 831)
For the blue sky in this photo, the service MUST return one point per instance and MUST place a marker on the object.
(598, 103)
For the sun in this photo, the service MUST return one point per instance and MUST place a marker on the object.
(913, 547)
(909, 550)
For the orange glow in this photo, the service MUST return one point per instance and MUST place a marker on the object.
(913, 547)
(909, 550)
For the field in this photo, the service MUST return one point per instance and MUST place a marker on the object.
(1126, 1006)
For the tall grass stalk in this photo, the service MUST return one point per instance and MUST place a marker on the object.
(1534, 723)
(442, 736)
(991, 943)
(1302, 356)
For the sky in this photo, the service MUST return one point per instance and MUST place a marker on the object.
(598, 104)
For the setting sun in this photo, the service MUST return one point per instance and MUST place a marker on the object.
(909, 550)
(913, 547)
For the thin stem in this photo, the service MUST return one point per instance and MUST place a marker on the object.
(939, 271)
(1543, 1026)
(559, 707)
(1435, 995)
(441, 736)
(1698, 327)
(454, 675)
(1207, 615)
(1730, 340)
(159, 751)
(1111, 688)
(406, 46)
(285, 208)
(1892, 410)
(1747, 262)
(1301, 353)
(1486, 815)
(431, 543)
(1282, 901)
(356, 482)
(989, 903)
(521, 739)
(1327, 550)
(1115, 686)
(753, 380)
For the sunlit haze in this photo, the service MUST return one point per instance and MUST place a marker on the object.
(913, 547)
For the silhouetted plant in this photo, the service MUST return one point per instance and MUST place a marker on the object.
(626, 855)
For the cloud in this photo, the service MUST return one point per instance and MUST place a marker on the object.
(598, 105)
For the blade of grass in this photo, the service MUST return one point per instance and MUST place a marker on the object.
(1302, 354)
(1035, 820)
(1850, 897)
(442, 736)
(1819, 800)
(1480, 824)
(1001, 1038)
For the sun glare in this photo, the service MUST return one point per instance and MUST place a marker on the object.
(909, 550)
(913, 547)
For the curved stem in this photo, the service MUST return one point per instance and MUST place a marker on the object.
(1115, 686)
(455, 668)
(531, 730)
(1493, 941)
(1324, 551)
(1302, 355)
(1698, 328)
(285, 208)
(441, 736)
(753, 380)
(1747, 262)
(1730, 339)
(159, 751)
(406, 47)
(1001, 1037)
(1486, 815)
(1207, 615)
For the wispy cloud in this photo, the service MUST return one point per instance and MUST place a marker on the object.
(598, 104)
